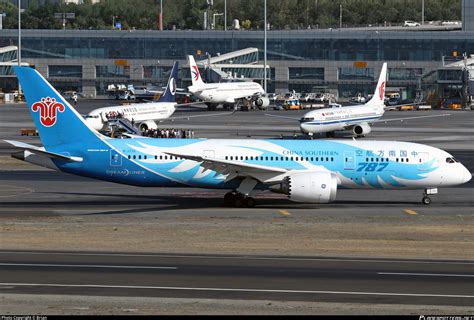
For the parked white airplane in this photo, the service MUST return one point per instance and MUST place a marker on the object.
(227, 93)
(144, 115)
(357, 118)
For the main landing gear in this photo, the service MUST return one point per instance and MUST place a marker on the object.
(331, 134)
(240, 198)
(426, 200)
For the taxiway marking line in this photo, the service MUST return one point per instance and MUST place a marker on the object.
(426, 274)
(235, 257)
(81, 266)
(410, 212)
(237, 290)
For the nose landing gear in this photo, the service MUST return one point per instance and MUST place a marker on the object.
(426, 200)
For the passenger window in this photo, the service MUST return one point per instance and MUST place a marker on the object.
(312, 158)
(166, 157)
(134, 156)
(144, 157)
(266, 158)
(139, 157)
(397, 159)
(327, 159)
(406, 160)
(286, 158)
(226, 157)
(271, 158)
(246, 157)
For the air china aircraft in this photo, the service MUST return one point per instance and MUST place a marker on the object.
(227, 93)
(358, 118)
(306, 170)
(145, 115)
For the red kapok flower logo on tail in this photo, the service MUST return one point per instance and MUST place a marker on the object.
(382, 91)
(48, 108)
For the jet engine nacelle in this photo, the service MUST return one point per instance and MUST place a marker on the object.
(262, 102)
(147, 125)
(362, 129)
(310, 187)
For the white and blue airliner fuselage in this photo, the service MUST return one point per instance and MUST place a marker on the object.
(306, 170)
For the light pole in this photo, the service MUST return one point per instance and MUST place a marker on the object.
(265, 47)
(1, 19)
(161, 15)
(19, 45)
(340, 16)
(422, 12)
(225, 15)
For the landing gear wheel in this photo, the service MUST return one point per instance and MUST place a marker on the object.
(426, 200)
(250, 202)
(229, 199)
(239, 202)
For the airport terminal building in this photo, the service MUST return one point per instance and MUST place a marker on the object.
(341, 61)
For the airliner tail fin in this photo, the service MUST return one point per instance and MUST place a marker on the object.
(379, 93)
(195, 75)
(170, 92)
(56, 120)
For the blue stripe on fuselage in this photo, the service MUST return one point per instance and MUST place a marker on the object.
(343, 120)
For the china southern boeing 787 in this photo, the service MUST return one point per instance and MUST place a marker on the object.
(306, 170)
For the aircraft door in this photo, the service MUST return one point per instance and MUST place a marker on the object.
(103, 117)
(349, 160)
(115, 159)
(423, 159)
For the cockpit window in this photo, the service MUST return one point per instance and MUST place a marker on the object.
(306, 119)
(451, 160)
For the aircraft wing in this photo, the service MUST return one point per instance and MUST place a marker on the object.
(234, 169)
(410, 118)
(41, 151)
(192, 104)
(198, 116)
(282, 117)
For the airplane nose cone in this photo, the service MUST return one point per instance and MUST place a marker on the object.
(303, 128)
(467, 176)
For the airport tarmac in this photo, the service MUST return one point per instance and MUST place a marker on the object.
(42, 210)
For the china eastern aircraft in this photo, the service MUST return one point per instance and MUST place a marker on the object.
(145, 115)
(226, 93)
(309, 171)
(357, 118)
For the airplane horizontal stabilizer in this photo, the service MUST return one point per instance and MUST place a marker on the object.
(41, 151)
